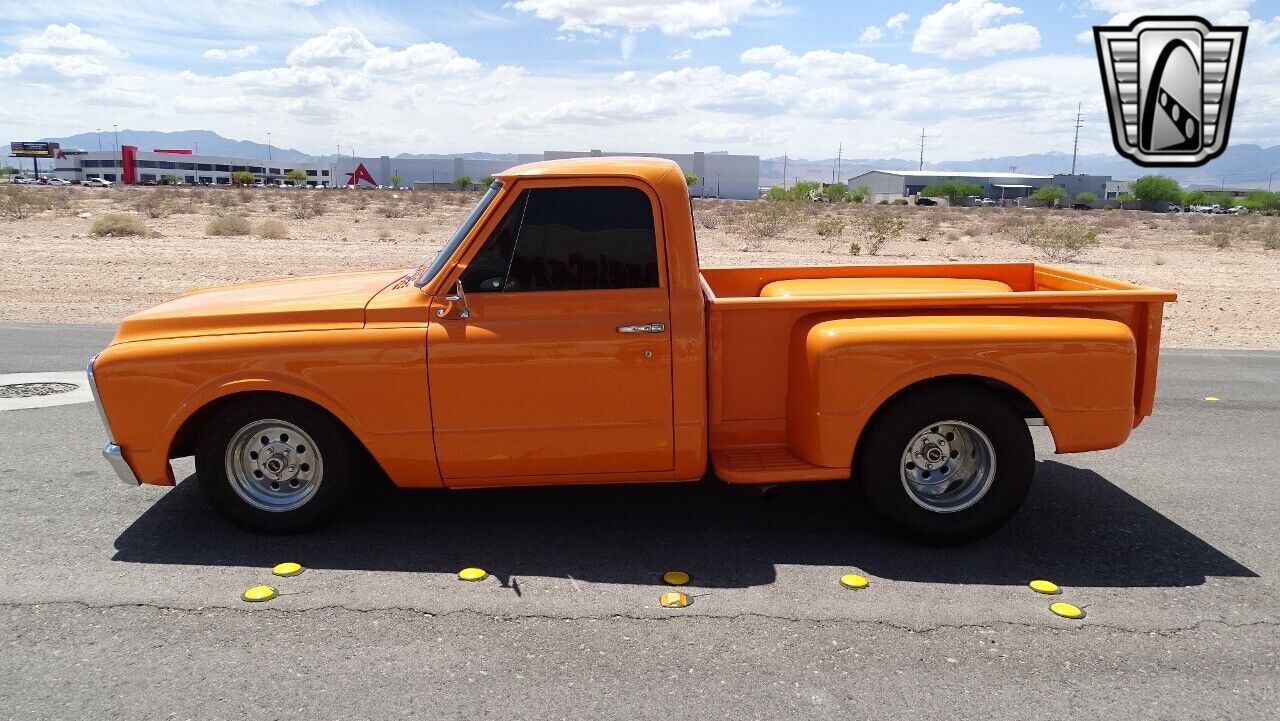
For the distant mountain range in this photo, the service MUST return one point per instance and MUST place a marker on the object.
(1239, 166)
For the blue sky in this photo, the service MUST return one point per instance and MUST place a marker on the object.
(987, 77)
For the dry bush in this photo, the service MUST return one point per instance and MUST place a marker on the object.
(1107, 220)
(18, 202)
(305, 206)
(1064, 241)
(384, 234)
(119, 224)
(879, 227)
(768, 218)
(273, 229)
(156, 203)
(393, 207)
(228, 225)
(829, 227)
(707, 219)
(1024, 226)
(422, 227)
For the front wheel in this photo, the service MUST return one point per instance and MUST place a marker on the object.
(946, 463)
(274, 465)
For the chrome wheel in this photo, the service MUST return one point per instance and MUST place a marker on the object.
(274, 465)
(948, 466)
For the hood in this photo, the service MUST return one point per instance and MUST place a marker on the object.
(322, 302)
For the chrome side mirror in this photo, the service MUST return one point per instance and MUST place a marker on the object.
(457, 296)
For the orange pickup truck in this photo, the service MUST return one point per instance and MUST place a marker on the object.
(566, 334)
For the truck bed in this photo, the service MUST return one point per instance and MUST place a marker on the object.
(753, 312)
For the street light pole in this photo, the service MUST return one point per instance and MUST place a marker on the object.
(116, 133)
(268, 147)
(99, 139)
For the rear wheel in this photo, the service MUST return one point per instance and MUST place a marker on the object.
(274, 465)
(946, 463)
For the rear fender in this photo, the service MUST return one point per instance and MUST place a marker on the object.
(1078, 372)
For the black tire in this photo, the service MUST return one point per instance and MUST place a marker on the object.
(878, 470)
(333, 444)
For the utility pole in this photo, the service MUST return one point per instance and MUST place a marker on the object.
(921, 147)
(99, 138)
(116, 133)
(784, 170)
(1075, 147)
(839, 157)
(268, 147)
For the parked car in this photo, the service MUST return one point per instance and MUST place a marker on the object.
(1081, 206)
(565, 335)
(925, 201)
(96, 182)
(58, 181)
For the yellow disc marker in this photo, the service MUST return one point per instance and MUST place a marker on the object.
(1211, 399)
(259, 593)
(673, 599)
(675, 578)
(288, 568)
(472, 574)
(1048, 587)
(1067, 610)
(853, 580)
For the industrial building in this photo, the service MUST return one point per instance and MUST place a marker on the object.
(130, 165)
(720, 175)
(891, 185)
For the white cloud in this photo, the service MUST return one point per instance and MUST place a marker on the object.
(589, 111)
(340, 47)
(232, 54)
(695, 18)
(970, 28)
(754, 93)
(870, 34)
(288, 81)
(42, 69)
(897, 22)
(728, 133)
(626, 76)
(681, 55)
(119, 98)
(1226, 12)
(420, 59)
(68, 39)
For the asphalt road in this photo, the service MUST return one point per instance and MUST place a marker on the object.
(120, 602)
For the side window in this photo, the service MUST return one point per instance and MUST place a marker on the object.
(585, 239)
(488, 269)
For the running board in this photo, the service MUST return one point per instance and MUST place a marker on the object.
(769, 464)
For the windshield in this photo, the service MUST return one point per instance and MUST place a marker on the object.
(431, 271)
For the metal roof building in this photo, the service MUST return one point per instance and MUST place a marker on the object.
(893, 184)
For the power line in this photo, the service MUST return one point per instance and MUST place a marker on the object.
(1075, 147)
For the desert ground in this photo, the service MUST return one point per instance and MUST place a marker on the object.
(53, 268)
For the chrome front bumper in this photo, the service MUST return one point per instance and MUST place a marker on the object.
(112, 451)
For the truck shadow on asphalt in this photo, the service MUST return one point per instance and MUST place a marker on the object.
(1076, 528)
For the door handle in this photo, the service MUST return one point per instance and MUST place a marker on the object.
(644, 328)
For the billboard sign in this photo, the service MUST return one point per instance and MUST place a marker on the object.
(33, 149)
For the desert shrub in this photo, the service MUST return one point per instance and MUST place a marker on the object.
(707, 219)
(1064, 241)
(462, 182)
(879, 228)
(422, 227)
(1271, 238)
(768, 219)
(18, 202)
(119, 224)
(393, 207)
(799, 191)
(228, 225)
(305, 206)
(273, 229)
(1022, 225)
(859, 194)
(154, 203)
(829, 227)
(384, 234)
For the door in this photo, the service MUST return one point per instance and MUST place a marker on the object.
(562, 366)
